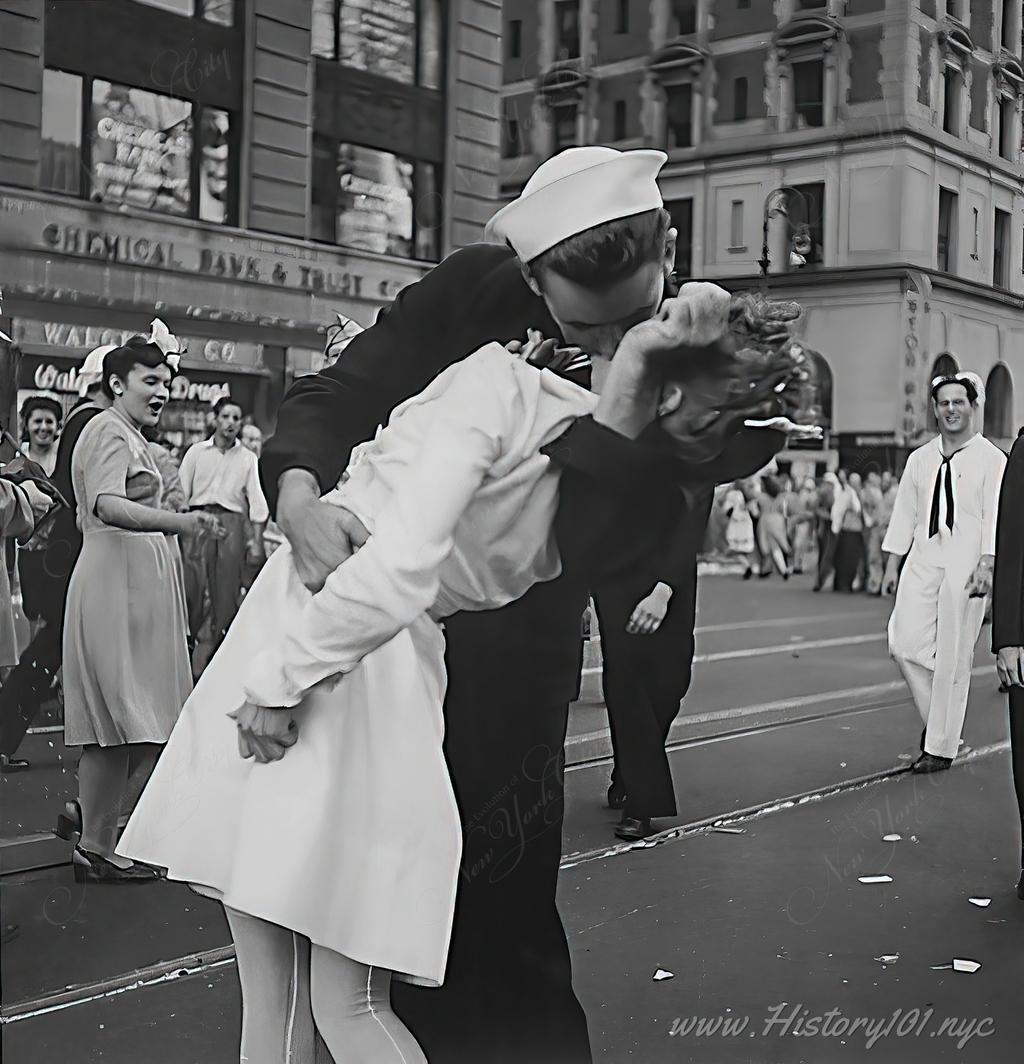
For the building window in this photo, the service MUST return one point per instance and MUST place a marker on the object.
(682, 18)
(952, 94)
(1005, 117)
(739, 99)
(809, 93)
(511, 133)
(681, 211)
(742, 5)
(139, 149)
(396, 39)
(515, 38)
(564, 118)
(60, 162)
(567, 29)
(1001, 250)
(679, 114)
(809, 212)
(1010, 32)
(622, 17)
(954, 8)
(976, 252)
(946, 242)
(999, 423)
(375, 201)
(619, 124)
(736, 225)
(221, 12)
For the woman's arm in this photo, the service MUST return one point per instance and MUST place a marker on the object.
(395, 577)
(118, 511)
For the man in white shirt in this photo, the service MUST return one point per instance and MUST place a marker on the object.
(220, 476)
(944, 522)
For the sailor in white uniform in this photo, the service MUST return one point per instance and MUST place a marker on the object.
(944, 521)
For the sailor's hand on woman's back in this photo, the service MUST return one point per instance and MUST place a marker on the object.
(321, 535)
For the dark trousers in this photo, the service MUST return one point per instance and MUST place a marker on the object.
(646, 677)
(1016, 699)
(214, 567)
(507, 995)
(827, 541)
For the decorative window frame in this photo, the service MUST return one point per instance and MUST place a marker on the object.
(956, 49)
(564, 84)
(680, 62)
(1008, 75)
(808, 38)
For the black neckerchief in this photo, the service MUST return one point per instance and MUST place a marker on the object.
(947, 466)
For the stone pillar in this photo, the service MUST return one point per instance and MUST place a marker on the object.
(785, 96)
(830, 83)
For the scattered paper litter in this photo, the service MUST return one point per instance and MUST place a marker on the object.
(875, 879)
(888, 958)
(730, 831)
(959, 964)
(906, 757)
(982, 903)
(662, 974)
(892, 838)
(842, 764)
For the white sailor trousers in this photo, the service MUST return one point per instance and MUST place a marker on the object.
(933, 631)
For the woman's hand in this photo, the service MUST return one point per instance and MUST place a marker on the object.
(649, 612)
(263, 733)
(200, 521)
(697, 317)
(141, 486)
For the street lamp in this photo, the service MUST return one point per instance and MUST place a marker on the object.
(800, 243)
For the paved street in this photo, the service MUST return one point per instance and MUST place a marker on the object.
(797, 732)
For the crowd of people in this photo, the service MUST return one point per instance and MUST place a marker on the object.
(832, 526)
(218, 554)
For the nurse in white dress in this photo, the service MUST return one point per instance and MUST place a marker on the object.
(944, 520)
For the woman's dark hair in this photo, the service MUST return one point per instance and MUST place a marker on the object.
(39, 402)
(772, 488)
(135, 351)
(600, 256)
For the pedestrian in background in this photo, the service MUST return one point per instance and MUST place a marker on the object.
(1008, 617)
(848, 530)
(772, 537)
(944, 524)
(126, 671)
(826, 538)
(647, 619)
(875, 524)
(739, 533)
(256, 553)
(801, 525)
(41, 419)
(220, 477)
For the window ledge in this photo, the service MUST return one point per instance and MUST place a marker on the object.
(737, 249)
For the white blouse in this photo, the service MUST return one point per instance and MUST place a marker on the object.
(977, 474)
(459, 503)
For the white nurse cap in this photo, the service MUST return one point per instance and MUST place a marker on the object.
(91, 370)
(574, 191)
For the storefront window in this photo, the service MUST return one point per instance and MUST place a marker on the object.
(397, 39)
(61, 151)
(375, 201)
(141, 150)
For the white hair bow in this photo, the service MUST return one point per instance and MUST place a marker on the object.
(169, 345)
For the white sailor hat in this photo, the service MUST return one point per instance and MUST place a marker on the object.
(574, 191)
(91, 370)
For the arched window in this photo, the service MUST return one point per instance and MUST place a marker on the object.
(999, 404)
(943, 366)
(816, 399)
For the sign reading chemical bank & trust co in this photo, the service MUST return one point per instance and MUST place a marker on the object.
(86, 233)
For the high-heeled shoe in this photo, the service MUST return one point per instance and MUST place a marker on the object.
(94, 868)
(69, 823)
